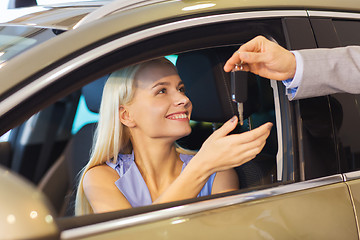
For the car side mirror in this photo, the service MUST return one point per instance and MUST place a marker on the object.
(24, 211)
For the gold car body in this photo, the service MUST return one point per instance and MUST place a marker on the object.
(324, 208)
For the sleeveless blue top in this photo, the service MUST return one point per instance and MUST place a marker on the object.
(132, 185)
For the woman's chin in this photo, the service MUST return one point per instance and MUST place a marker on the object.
(182, 134)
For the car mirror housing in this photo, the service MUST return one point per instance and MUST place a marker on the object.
(24, 210)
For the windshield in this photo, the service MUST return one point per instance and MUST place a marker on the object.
(17, 39)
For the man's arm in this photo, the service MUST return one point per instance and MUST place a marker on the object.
(322, 71)
(328, 71)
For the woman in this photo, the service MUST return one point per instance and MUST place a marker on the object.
(134, 161)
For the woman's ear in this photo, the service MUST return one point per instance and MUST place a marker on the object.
(125, 117)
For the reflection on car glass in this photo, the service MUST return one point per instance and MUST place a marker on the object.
(16, 39)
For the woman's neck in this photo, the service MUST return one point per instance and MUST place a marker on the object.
(155, 157)
(158, 162)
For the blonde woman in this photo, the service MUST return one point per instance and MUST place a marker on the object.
(134, 161)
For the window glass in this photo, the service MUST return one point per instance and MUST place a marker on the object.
(345, 107)
(17, 39)
(348, 32)
(15, 45)
(346, 116)
(318, 141)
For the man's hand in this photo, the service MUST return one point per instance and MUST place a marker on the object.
(265, 58)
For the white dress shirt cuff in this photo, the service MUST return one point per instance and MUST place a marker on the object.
(293, 84)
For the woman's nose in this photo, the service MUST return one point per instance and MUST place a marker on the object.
(182, 99)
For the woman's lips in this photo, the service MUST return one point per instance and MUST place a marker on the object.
(178, 116)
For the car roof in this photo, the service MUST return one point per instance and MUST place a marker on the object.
(155, 11)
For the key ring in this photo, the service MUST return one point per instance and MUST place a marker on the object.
(239, 65)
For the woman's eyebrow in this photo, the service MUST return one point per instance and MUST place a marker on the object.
(166, 84)
(161, 84)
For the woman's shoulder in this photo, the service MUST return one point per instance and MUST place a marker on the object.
(100, 190)
(101, 173)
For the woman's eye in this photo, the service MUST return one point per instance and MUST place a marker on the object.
(162, 91)
(182, 89)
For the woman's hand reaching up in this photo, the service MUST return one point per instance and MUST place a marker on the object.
(222, 151)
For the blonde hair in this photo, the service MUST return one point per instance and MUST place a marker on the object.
(111, 136)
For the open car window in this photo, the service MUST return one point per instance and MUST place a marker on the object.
(44, 149)
(57, 140)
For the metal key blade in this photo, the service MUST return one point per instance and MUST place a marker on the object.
(240, 106)
(239, 91)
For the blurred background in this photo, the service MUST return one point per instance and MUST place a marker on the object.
(11, 9)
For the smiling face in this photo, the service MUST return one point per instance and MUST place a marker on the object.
(160, 108)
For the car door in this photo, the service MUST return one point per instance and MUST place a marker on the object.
(341, 30)
(293, 206)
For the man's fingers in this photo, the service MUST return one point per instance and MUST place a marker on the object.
(244, 58)
(251, 52)
(254, 45)
(251, 57)
(231, 62)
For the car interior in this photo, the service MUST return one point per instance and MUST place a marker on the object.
(44, 150)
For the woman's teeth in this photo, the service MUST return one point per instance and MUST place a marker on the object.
(178, 116)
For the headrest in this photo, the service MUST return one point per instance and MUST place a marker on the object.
(208, 86)
(93, 93)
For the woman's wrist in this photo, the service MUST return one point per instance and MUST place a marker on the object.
(191, 180)
(199, 169)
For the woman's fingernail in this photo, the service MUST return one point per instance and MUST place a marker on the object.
(233, 119)
(270, 126)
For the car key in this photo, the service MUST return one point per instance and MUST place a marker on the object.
(239, 90)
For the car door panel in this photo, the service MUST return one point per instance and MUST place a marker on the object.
(285, 216)
(354, 187)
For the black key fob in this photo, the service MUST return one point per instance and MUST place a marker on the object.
(239, 86)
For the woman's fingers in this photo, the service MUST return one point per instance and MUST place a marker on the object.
(225, 129)
(233, 150)
(262, 131)
(247, 145)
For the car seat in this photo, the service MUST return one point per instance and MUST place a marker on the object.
(60, 182)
